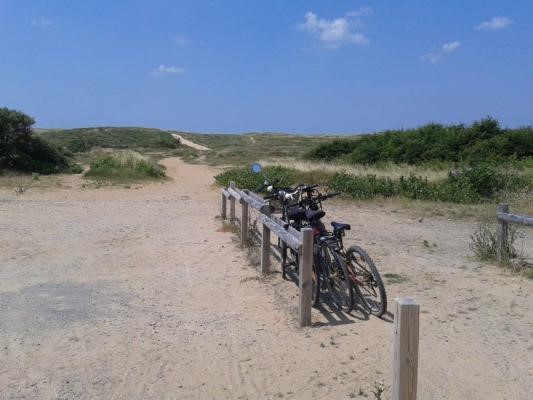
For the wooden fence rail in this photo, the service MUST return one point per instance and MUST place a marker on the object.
(301, 242)
(502, 232)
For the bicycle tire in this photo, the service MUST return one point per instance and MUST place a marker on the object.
(369, 288)
(283, 250)
(289, 257)
(315, 296)
(337, 280)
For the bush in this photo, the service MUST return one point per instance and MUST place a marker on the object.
(483, 141)
(484, 242)
(76, 169)
(363, 187)
(124, 166)
(21, 151)
(84, 139)
(329, 151)
(472, 184)
(244, 178)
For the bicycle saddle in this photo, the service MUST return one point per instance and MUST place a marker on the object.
(312, 215)
(339, 226)
(296, 213)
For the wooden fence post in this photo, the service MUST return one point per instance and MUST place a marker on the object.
(244, 223)
(502, 234)
(265, 246)
(232, 204)
(405, 364)
(306, 280)
(223, 207)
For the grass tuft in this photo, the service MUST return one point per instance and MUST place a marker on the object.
(124, 166)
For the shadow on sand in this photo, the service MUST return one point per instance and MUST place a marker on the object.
(331, 313)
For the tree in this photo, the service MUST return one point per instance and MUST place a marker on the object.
(21, 151)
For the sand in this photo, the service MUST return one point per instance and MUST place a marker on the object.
(189, 143)
(117, 293)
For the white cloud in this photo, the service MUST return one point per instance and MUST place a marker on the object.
(167, 70)
(435, 56)
(181, 41)
(333, 33)
(494, 24)
(362, 12)
(41, 22)
(449, 47)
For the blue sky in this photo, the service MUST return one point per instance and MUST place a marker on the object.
(344, 66)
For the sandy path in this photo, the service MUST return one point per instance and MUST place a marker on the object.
(122, 293)
(189, 143)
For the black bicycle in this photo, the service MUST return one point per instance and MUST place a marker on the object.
(300, 208)
(343, 272)
(350, 264)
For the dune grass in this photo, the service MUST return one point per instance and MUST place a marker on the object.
(433, 172)
(85, 139)
(124, 166)
(244, 149)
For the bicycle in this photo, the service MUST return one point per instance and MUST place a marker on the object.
(343, 271)
(354, 261)
(328, 267)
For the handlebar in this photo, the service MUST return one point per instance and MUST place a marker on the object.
(329, 196)
(308, 188)
(293, 196)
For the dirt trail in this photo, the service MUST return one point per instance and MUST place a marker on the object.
(138, 293)
(189, 143)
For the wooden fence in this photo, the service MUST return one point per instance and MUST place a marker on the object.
(405, 352)
(302, 242)
(502, 232)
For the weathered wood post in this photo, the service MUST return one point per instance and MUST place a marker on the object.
(223, 206)
(502, 234)
(244, 222)
(265, 244)
(232, 204)
(306, 280)
(405, 361)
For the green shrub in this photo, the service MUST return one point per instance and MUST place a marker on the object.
(471, 184)
(334, 149)
(76, 169)
(244, 178)
(363, 187)
(21, 151)
(124, 166)
(84, 139)
(484, 141)
(468, 184)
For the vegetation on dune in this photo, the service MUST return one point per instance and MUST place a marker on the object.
(85, 139)
(244, 149)
(124, 166)
(244, 178)
(21, 150)
(332, 150)
(482, 141)
(468, 185)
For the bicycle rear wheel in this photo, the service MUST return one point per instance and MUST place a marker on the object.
(337, 279)
(315, 296)
(366, 280)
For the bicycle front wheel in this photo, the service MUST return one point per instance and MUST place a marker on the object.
(367, 281)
